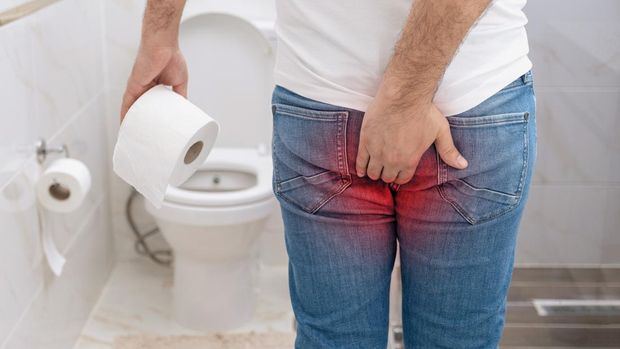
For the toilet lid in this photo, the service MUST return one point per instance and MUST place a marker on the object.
(230, 63)
(246, 160)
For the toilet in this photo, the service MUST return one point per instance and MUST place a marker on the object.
(214, 220)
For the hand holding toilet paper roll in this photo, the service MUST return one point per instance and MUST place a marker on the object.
(162, 141)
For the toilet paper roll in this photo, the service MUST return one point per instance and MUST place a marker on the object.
(162, 141)
(55, 259)
(63, 185)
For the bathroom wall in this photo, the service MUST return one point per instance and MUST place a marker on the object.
(574, 210)
(52, 69)
(574, 206)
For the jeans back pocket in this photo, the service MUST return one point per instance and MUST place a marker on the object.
(309, 155)
(496, 147)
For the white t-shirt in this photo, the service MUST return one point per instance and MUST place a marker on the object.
(336, 51)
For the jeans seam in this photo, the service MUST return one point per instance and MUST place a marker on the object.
(345, 183)
(343, 162)
(442, 171)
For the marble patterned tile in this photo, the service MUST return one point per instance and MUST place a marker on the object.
(20, 251)
(564, 225)
(137, 300)
(58, 313)
(575, 42)
(68, 61)
(578, 137)
(18, 112)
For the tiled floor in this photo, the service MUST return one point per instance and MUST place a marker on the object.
(137, 300)
(526, 329)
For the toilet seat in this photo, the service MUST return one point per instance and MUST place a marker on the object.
(241, 159)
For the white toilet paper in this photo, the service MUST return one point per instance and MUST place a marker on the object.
(63, 185)
(162, 141)
(62, 188)
(55, 259)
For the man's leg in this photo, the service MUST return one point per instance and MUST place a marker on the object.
(340, 229)
(457, 228)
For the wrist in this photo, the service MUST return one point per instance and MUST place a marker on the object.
(406, 94)
(152, 47)
(160, 40)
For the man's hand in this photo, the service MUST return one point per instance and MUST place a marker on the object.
(154, 66)
(159, 59)
(401, 123)
(392, 140)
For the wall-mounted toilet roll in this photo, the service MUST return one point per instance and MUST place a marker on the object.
(63, 185)
(162, 141)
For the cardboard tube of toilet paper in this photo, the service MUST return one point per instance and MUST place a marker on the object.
(162, 141)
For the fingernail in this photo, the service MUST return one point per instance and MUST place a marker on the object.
(461, 161)
(360, 174)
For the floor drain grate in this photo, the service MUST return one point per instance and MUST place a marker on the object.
(577, 307)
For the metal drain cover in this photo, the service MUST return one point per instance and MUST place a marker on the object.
(577, 307)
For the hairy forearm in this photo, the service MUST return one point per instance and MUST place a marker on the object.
(161, 22)
(432, 34)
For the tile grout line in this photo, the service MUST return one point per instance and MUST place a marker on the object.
(76, 115)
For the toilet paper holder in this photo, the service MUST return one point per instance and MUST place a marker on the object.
(42, 150)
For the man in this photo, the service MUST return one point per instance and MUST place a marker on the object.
(393, 122)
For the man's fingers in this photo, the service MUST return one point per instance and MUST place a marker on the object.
(446, 149)
(361, 162)
(388, 175)
(181, 89)
(374, 169)
(128, 100)
(404, 176)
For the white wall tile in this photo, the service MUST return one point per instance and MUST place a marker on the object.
(577, 136)
(564, 224)
(20, 251)
(56, 317)
(575, 42)
(68, 61)
(51, 64)
(18, 112)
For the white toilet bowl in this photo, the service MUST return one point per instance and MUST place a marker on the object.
(214, 219)
(212, 223)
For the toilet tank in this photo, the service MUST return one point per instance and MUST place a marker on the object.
(229, 46)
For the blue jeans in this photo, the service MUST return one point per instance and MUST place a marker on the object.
(456, 229)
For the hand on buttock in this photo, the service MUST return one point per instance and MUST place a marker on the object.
(394, 136)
